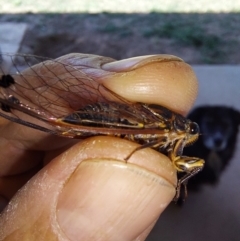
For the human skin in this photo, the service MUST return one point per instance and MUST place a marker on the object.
(85, 190)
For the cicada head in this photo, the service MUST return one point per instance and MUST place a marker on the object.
(186, 128)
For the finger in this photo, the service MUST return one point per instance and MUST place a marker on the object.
(90, 192)
(159, 79)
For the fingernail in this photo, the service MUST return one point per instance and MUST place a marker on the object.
(136, 62)
(107, 199)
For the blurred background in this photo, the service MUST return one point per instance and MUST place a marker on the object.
(206, 34)
(200, 32)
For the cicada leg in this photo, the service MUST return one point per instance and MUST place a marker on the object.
(183, 182)
(190, 165)
(152, 144)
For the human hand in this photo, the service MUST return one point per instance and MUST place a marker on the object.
(87, 191)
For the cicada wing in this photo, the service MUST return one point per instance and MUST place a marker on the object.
(51, 89)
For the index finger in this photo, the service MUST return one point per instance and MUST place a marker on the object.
(156, 79)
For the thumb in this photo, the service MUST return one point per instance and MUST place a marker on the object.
(90, 192)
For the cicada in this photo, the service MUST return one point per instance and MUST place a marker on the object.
(59, 97)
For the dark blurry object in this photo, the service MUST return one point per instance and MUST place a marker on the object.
(217, 141)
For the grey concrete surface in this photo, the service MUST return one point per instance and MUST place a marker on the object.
(218, 85)
(11, 35)
(214, 213)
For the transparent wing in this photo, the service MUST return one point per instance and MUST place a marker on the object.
(58, 87)
(49, 89)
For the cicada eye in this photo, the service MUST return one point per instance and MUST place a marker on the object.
(193, 128)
